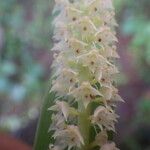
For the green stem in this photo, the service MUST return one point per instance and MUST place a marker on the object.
(43, 138)
(84, 124)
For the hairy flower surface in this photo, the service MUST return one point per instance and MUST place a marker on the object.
(83, 75)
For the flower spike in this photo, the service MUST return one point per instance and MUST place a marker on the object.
(83, 78)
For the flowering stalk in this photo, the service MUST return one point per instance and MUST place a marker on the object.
(83, 75)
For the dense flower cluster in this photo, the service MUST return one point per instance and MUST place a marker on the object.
(83, 78)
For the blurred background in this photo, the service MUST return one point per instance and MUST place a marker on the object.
(25, 59)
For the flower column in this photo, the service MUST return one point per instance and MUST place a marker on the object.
(83, 75)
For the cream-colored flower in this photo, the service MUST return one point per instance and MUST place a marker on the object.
(109, 51)
(53, 147)
(86, 25)
(83, 29)
(60, 46)
(109, 146)
(104, 117)
(115, 97)
(93, 60)
(83, 73)
(65, 81)
(105, 36)
(58, 122)
(59, 63)
(99, 5)
(107, 92)
(85, 93)
(61, 106)
(64, 108)
(109, 19)
(101, 138)
(73, 14)
(104, 75)
(61, 31)
(70, 136)
(77, 47)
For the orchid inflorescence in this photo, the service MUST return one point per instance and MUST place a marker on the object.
(83, 78)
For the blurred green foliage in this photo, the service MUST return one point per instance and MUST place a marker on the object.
(136, 23)
(24, 36)
(143, 115)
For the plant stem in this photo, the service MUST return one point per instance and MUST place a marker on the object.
(43, 138)
(84, 124)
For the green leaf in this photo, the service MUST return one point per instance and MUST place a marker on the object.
(43, 137)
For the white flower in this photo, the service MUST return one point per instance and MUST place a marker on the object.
(109, 146)
(60, 46)
(61, 107)
(93, 60)
(83, 29)
(70, 136)
(99, 5)
(60, 5)
(77, 47)
(104, 75)
(107, 92)
(58, 122)
(52, 147)
(101, 138)
(101, 12)
(65, 81)
(109, 51)
(115, 97)
(105, 36)
(85, 93)
(60, 31)
(83, 73)
(104, 117)
(73, 14)
(64, 108)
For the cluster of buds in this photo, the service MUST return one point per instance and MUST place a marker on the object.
(83, 79)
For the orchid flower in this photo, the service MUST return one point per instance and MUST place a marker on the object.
(83, 75)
